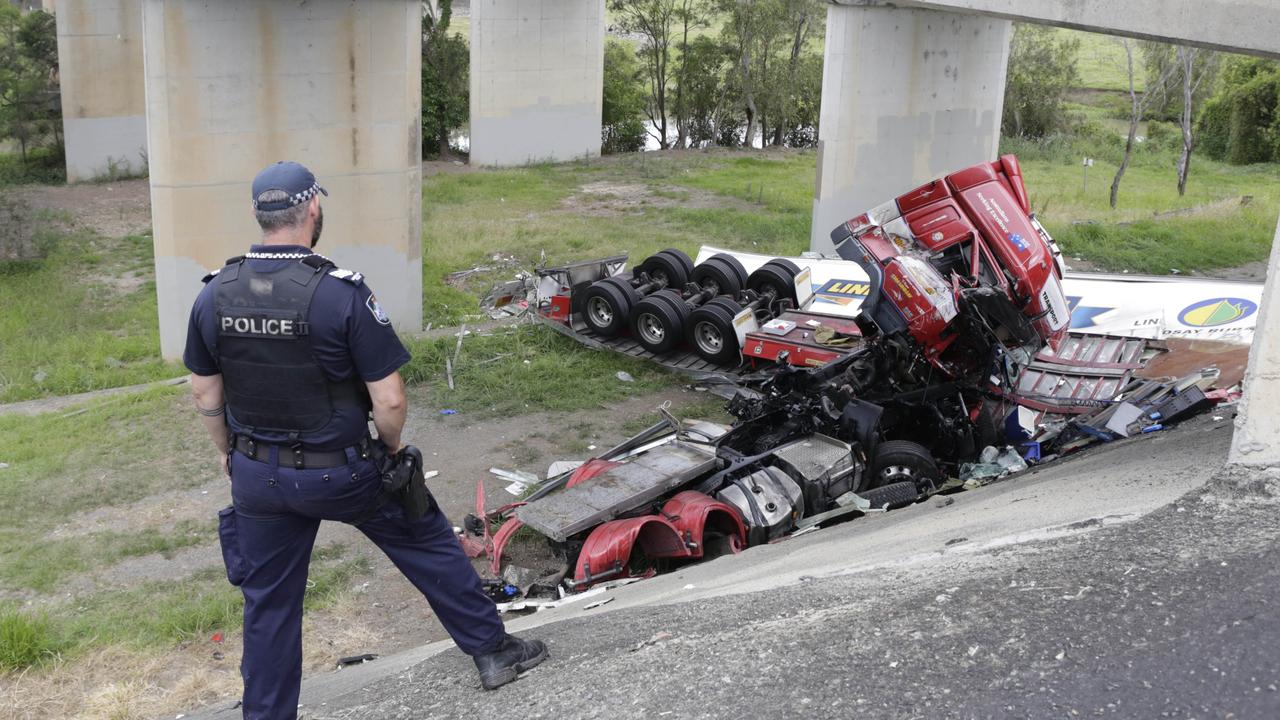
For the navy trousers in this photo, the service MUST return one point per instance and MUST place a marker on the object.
(277, 511)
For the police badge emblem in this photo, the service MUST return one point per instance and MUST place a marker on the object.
(378, 313)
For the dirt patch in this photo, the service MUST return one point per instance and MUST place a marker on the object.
(112, 210)
(611, 199)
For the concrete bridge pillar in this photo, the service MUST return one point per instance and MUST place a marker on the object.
(1257, 437)
(103, 105)
(537, 75)
(907, 95)
(234, 85)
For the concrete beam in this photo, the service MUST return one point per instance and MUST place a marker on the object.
(1243, 26)
(537, 77)
(907, 95)
(237, 84)
(103, 104)
(1257, 437)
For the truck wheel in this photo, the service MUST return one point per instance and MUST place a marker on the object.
(775, 278)
(658, 321)
(785, 264)
(889, 497)
(607, 307)
(712, 334)
(902, 461)
(684, 259)
(665, 268)
(723, 272)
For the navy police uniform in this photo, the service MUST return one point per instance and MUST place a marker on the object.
(295, 339)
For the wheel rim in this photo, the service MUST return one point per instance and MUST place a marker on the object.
(897, 473)
(660, 276)
(651, 329)
(599, 311)
(708, 338)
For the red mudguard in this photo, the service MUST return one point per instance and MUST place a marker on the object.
(693, 513)
(606, 554)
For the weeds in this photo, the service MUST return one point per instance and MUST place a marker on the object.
(26, 639)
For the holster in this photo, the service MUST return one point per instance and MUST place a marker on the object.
(403, 482)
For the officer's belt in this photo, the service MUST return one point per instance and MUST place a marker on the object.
(296, 455)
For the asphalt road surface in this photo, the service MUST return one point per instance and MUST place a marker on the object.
(1139, 581)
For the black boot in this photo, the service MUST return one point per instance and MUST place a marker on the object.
(511, 658)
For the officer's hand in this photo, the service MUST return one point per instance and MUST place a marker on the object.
(224, 460)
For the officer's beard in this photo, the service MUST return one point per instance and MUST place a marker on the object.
(315, 231)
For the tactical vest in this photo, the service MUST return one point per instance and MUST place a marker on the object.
(270, 376)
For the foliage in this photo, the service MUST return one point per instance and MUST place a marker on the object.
(655, 21)
(767, 44)
(1241, 123)
(1042, 68)
(30, 102)
(621, 121)
(701, 81)
(1165, 86)
(446, 83)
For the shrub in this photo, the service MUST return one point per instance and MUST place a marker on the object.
(1042, 68)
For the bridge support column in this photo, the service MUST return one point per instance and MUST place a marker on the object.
(537, 74)
(907, 95)
(100, 67)
(234, 86)
(1257, 437)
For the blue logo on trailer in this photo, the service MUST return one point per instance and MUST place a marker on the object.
(1082, 316)
(1018, 241)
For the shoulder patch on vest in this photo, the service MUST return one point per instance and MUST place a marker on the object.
(210, 276)
(350, 276)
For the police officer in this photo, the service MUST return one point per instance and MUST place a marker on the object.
(289, 355)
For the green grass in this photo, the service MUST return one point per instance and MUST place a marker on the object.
(102, 455)
(1102, 64)
(65, 328)
(156, 614)
(42, 565)
(26, 639)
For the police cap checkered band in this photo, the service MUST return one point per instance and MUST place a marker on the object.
(293, 179)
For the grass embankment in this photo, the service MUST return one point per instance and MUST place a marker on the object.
(82, 318)
(67, 492)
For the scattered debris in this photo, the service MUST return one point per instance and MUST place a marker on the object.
(598, 603)
(356, 660)
(4, 466)
(657, 638)
(449, 411)
(625, 376)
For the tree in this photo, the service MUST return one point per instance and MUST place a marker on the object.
(30, 101)
(1195, 65)
(691, 15)
(621, 124)
(751, 31)
(446, 81)
(704, 90)
(1137, 106)
(653, 19)
(802, 17)
(1042, 68)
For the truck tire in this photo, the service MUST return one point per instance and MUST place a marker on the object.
(684, 259)
(891, 497)
(785, 264)
(665, 267)
(723, 272)
(775, 278)
(712, 334)
(658, 321)
(606, 307)
(904, 461)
